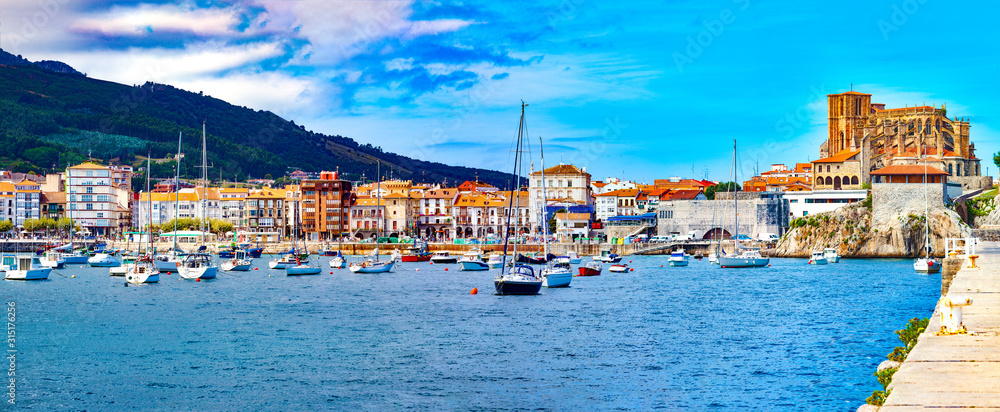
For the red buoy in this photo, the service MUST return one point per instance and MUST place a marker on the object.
(331, 272)
(198, 280)
(474, 291)
(445, 269)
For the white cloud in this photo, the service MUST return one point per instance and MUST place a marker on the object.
(147, 18)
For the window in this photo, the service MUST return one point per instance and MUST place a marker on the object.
(90, 189)
(90, 206)
(100, 214)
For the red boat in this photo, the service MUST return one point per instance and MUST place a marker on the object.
(592, 269)
(420, 257)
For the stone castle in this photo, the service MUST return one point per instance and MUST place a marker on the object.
(902, 136)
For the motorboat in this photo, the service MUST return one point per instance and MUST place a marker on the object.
(831, 255)
(417, 253)
(52, 259)
(298, 270)
(749, 257)
(443, 257)
(556, 275)
(127, 263)
(473, 262)
(25, 267)
(519, 280)
(495, 261)
(240, 262)
(142, 270)
(678, 258)
(103, 260)
(611, 258)
(618, 268)
(74, 257)
(926, 265)
(371, 266)
(167, 262)
(817, 258)
(569, 258)
(197, 266)
(591, 269)
(534, 260)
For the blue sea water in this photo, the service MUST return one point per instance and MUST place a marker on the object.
(788, 337)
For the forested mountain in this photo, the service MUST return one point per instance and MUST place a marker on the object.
(50, 114)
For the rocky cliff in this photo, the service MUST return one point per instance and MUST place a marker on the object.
(852, 232)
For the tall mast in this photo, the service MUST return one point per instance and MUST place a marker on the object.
(204, 181)
(545, 200)
(927, 221)
(72, 224)
(515, 191)
(378, 205)
(149, 207)
(736, 205)
(177, 186)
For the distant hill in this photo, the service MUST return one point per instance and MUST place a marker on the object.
(51, 114)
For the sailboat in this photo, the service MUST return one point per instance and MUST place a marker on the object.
(554, 274)
(143, 270)
(742, 257)
(519, 279)
(301, 268)
(199, 265)
(926, 264)
(372, 265)
(167, 262)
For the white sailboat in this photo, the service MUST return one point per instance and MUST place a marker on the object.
(199, 265)
(142, 270)
(518, 279)
(742, 257)
(372, 264)
(554, 274)
(926, 264)
(303, 267)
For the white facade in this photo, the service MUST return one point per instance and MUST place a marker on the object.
(92, 200)
(26, 202)
(808, 203)
(613, 183)
(562, 182)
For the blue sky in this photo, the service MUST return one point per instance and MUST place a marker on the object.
(633, 89)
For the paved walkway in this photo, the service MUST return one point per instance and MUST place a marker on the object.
(957, 371)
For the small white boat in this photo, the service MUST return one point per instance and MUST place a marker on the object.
(926, 265)
(25, 267)
(284, 262)
(678, 258)
(713, 258)
(142, 270)
(103, 260)
(302, 270)
(239, 263)
(167, 262)
(74, 257)
(127, 263)
(556, 275)
(748, 258)
(817, 258)
(371, 266)
(495, 261)
(197, 266)
(591, 269)
(570, 258)
(443, 257)
(473, 261)
(52, 259)
(831, 255)
(618, 268)
(338, 262)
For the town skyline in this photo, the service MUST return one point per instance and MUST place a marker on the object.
(442, 82)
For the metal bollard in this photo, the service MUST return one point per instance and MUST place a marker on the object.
(972, 261)
(951, 314)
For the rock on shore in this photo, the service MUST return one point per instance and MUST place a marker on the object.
(852, 232)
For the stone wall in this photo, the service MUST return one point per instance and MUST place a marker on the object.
(972, 182)
(890, 200)
(742, 195)
(701, 216)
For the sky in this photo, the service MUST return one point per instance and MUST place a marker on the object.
(630, 89)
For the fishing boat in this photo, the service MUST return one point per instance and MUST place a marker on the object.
(519, 279)
(372, 264)
(618, 268)
(831, 255)
(742, 257)
(103, 260)
(240, 262)
(199, 265)
(473, 261)
(443, 257)
(417, 253)
(591, 269)
(678, 258)
(554, 274)
(926, 263)
(817, 258)
(52, 259)
(495, 261)
(25, 267)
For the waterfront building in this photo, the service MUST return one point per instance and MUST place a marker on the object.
(611, 184)
(53, 205)
(841, 171)
(265, 214)
(899, 191)
(759, 213)
(121, 175)
(617, 203)
(367, 216)
(881, 135)
(7, 201)
(27, 201)
(326, 206)
(469, 186)
(94, 203)
(471, 215)
(519, 216)
(232, 201)
(570, 226)
(807, 203)
(434, 214)
(401, 214)
(562, 183)
(676, 183)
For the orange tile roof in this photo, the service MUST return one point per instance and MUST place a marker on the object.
(472, 200)
(850, 92)
(440, 193)
(562, 170)
(573, 216)
(909, 170)
(598, 184)
(622, 193)
(88, 165)
(839, 157)
(684, 194)
(368, 201)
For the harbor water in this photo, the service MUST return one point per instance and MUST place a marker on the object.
(791, 336)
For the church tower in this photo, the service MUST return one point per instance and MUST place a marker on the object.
(849, 113)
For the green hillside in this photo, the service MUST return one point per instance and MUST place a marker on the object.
(49, 118)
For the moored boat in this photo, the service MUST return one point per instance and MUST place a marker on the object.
(678, 258)
(618, 268)
(25, 267)
(443, 257)
(591, 269)
(817, 258)
(103, 260)
(831, 255)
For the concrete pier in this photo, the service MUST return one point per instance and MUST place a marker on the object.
(963, 370)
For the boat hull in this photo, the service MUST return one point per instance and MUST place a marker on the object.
(516, 287)
(165, 266)
(31, 274)
(474, 266)
(135, 277)
(926, 266)
(738, 262)
(338, 263)
(75, 258)
(587, 271)
(618, 268)
(231, 266)
(413, 258)
(444, 260)
(678, 262)
(557, 278)
(819, 261)
(302, 270)
(199, 272)
(382, 267)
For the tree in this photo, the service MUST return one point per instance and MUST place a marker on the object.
(47, 223)
(31, 225)
(65, 224)
(220, 227)
(6, 226)
(720, 187)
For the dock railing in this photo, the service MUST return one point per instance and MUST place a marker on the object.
(961, 247)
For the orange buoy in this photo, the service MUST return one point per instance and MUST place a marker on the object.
(661, 266)
(630, 261)
(432, 263)
(198, 280)
(445, 269)
(631, 269)
(331, 272)
(256, 268)
(474, 291)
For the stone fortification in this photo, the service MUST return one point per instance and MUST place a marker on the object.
(891, 200)
(972, 182)
(756, 216)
